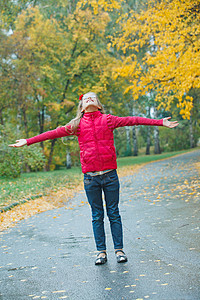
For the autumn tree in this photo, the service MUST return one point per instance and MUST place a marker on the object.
(55, 60)
(172, 69)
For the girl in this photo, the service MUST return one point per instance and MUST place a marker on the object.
(94, 130)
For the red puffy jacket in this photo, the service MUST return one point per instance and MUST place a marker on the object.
(95, 137)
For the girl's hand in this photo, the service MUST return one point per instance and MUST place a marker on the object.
(19, 143)
(169, 124)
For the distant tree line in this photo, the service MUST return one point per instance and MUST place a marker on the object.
(141, 59)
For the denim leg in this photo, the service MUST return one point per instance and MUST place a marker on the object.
(111, 191)
(93, 191)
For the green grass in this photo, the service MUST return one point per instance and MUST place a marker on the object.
(132, 160)
(33, 184)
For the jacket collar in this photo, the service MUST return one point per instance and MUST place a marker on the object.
(93, 114)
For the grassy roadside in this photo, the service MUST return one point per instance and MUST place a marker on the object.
(31, 185)
(143, 159)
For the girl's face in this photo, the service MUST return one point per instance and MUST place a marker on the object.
(89, 102)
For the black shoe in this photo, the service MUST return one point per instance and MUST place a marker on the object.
(121, 258)
(101, 260)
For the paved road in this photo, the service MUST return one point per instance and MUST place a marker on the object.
(51, 255)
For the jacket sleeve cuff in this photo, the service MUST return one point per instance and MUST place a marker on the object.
(160, 122)
(27, 142)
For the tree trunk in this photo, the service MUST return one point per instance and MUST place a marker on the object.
(25, 121)
(191, 134)
(136, 5)
(148, 140)
(156, 136)
(68, 160)
(148, 133)
(135, 146)
(27, 168)
(1, 117)
(156, 141)
(117, 152)
(51, 154)
(128, 141)
(41, 124)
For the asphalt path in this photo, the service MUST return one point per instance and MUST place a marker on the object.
(51, 255)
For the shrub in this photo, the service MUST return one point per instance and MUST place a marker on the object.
(13, 161)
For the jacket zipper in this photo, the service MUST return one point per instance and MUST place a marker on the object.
(95, 137)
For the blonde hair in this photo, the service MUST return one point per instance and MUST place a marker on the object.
(74, 123)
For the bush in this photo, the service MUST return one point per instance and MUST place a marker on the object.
(10, 163)
(32, 157)
(14, 160)
(177, 138)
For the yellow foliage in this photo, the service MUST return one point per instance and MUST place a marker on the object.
(54, 106)
(66, 103)
(171, 66)
(98, 5)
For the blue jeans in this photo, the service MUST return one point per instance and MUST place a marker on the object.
(109, 184)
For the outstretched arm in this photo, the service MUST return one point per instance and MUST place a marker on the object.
(115, 121)
(48, 135)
